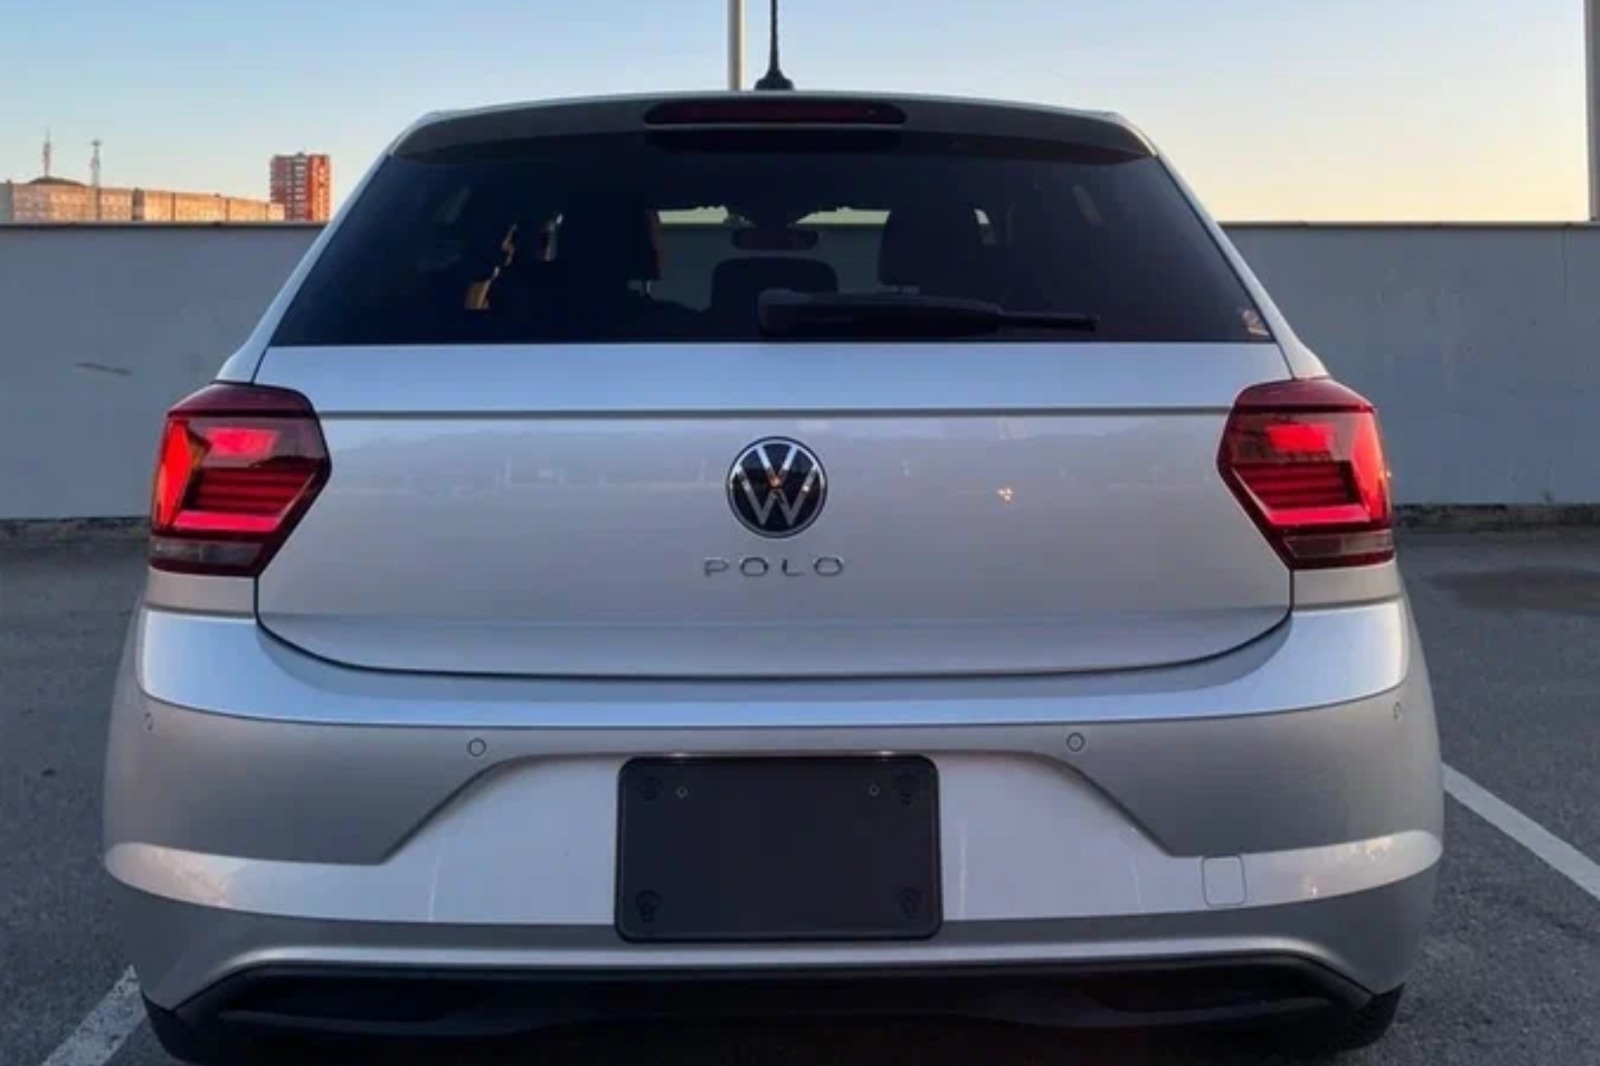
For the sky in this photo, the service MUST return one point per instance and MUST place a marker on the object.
(1315, 110)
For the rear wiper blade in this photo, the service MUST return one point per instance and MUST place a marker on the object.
(784, 313)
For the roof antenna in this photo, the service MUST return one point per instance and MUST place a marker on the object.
(773, 80)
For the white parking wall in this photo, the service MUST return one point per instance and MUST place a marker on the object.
(101, 328)
(1479, 344)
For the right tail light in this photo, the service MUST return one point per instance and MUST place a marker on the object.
(1306, 459)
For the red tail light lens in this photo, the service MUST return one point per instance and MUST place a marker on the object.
(238, 466)
(1306, 460)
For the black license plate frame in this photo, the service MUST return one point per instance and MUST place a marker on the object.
(814, 848)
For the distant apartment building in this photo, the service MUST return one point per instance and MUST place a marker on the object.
(303, 184)
(112, 205)
(61, 200)
(157, 205)
(47, 200)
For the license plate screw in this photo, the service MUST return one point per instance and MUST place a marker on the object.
(874, 791)
(682, 792)
(648, 905)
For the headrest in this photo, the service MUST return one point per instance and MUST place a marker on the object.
(612, 243)
(929, 244)
(738, 283)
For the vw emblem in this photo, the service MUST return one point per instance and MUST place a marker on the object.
(777, 487)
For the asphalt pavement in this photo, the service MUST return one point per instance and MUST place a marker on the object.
(1510, 974)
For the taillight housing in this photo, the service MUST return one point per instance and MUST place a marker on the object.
(238, 466)
(1306, 460)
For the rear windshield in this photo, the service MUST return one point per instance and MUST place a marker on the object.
(674, 236)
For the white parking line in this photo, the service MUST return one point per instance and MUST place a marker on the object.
(1560, 856)
(101, 1034)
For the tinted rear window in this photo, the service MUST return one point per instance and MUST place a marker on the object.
(673, 237)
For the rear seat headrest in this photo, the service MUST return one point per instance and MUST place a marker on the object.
(929, 245)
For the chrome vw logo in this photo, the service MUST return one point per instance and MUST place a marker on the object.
(777, 487)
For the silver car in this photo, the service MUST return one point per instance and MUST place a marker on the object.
(770, 551)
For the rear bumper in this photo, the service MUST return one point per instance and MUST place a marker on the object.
(1074, 832)
(377, 981)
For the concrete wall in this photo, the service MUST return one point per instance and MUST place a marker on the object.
(1479, 343)
(1481, 346)
(101, 328)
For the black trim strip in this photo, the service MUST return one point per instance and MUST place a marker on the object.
(388, 1002)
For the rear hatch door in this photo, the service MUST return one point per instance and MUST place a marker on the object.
(541, 370)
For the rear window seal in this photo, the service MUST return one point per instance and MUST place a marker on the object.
(843, 140)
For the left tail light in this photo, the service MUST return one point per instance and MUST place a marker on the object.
(238, 467)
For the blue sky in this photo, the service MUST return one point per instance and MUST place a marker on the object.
(1274, 109)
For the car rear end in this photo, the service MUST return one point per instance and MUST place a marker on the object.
(540, 625)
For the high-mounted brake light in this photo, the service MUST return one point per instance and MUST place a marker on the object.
(775, 110)
(237, 468)
(1306, 460)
